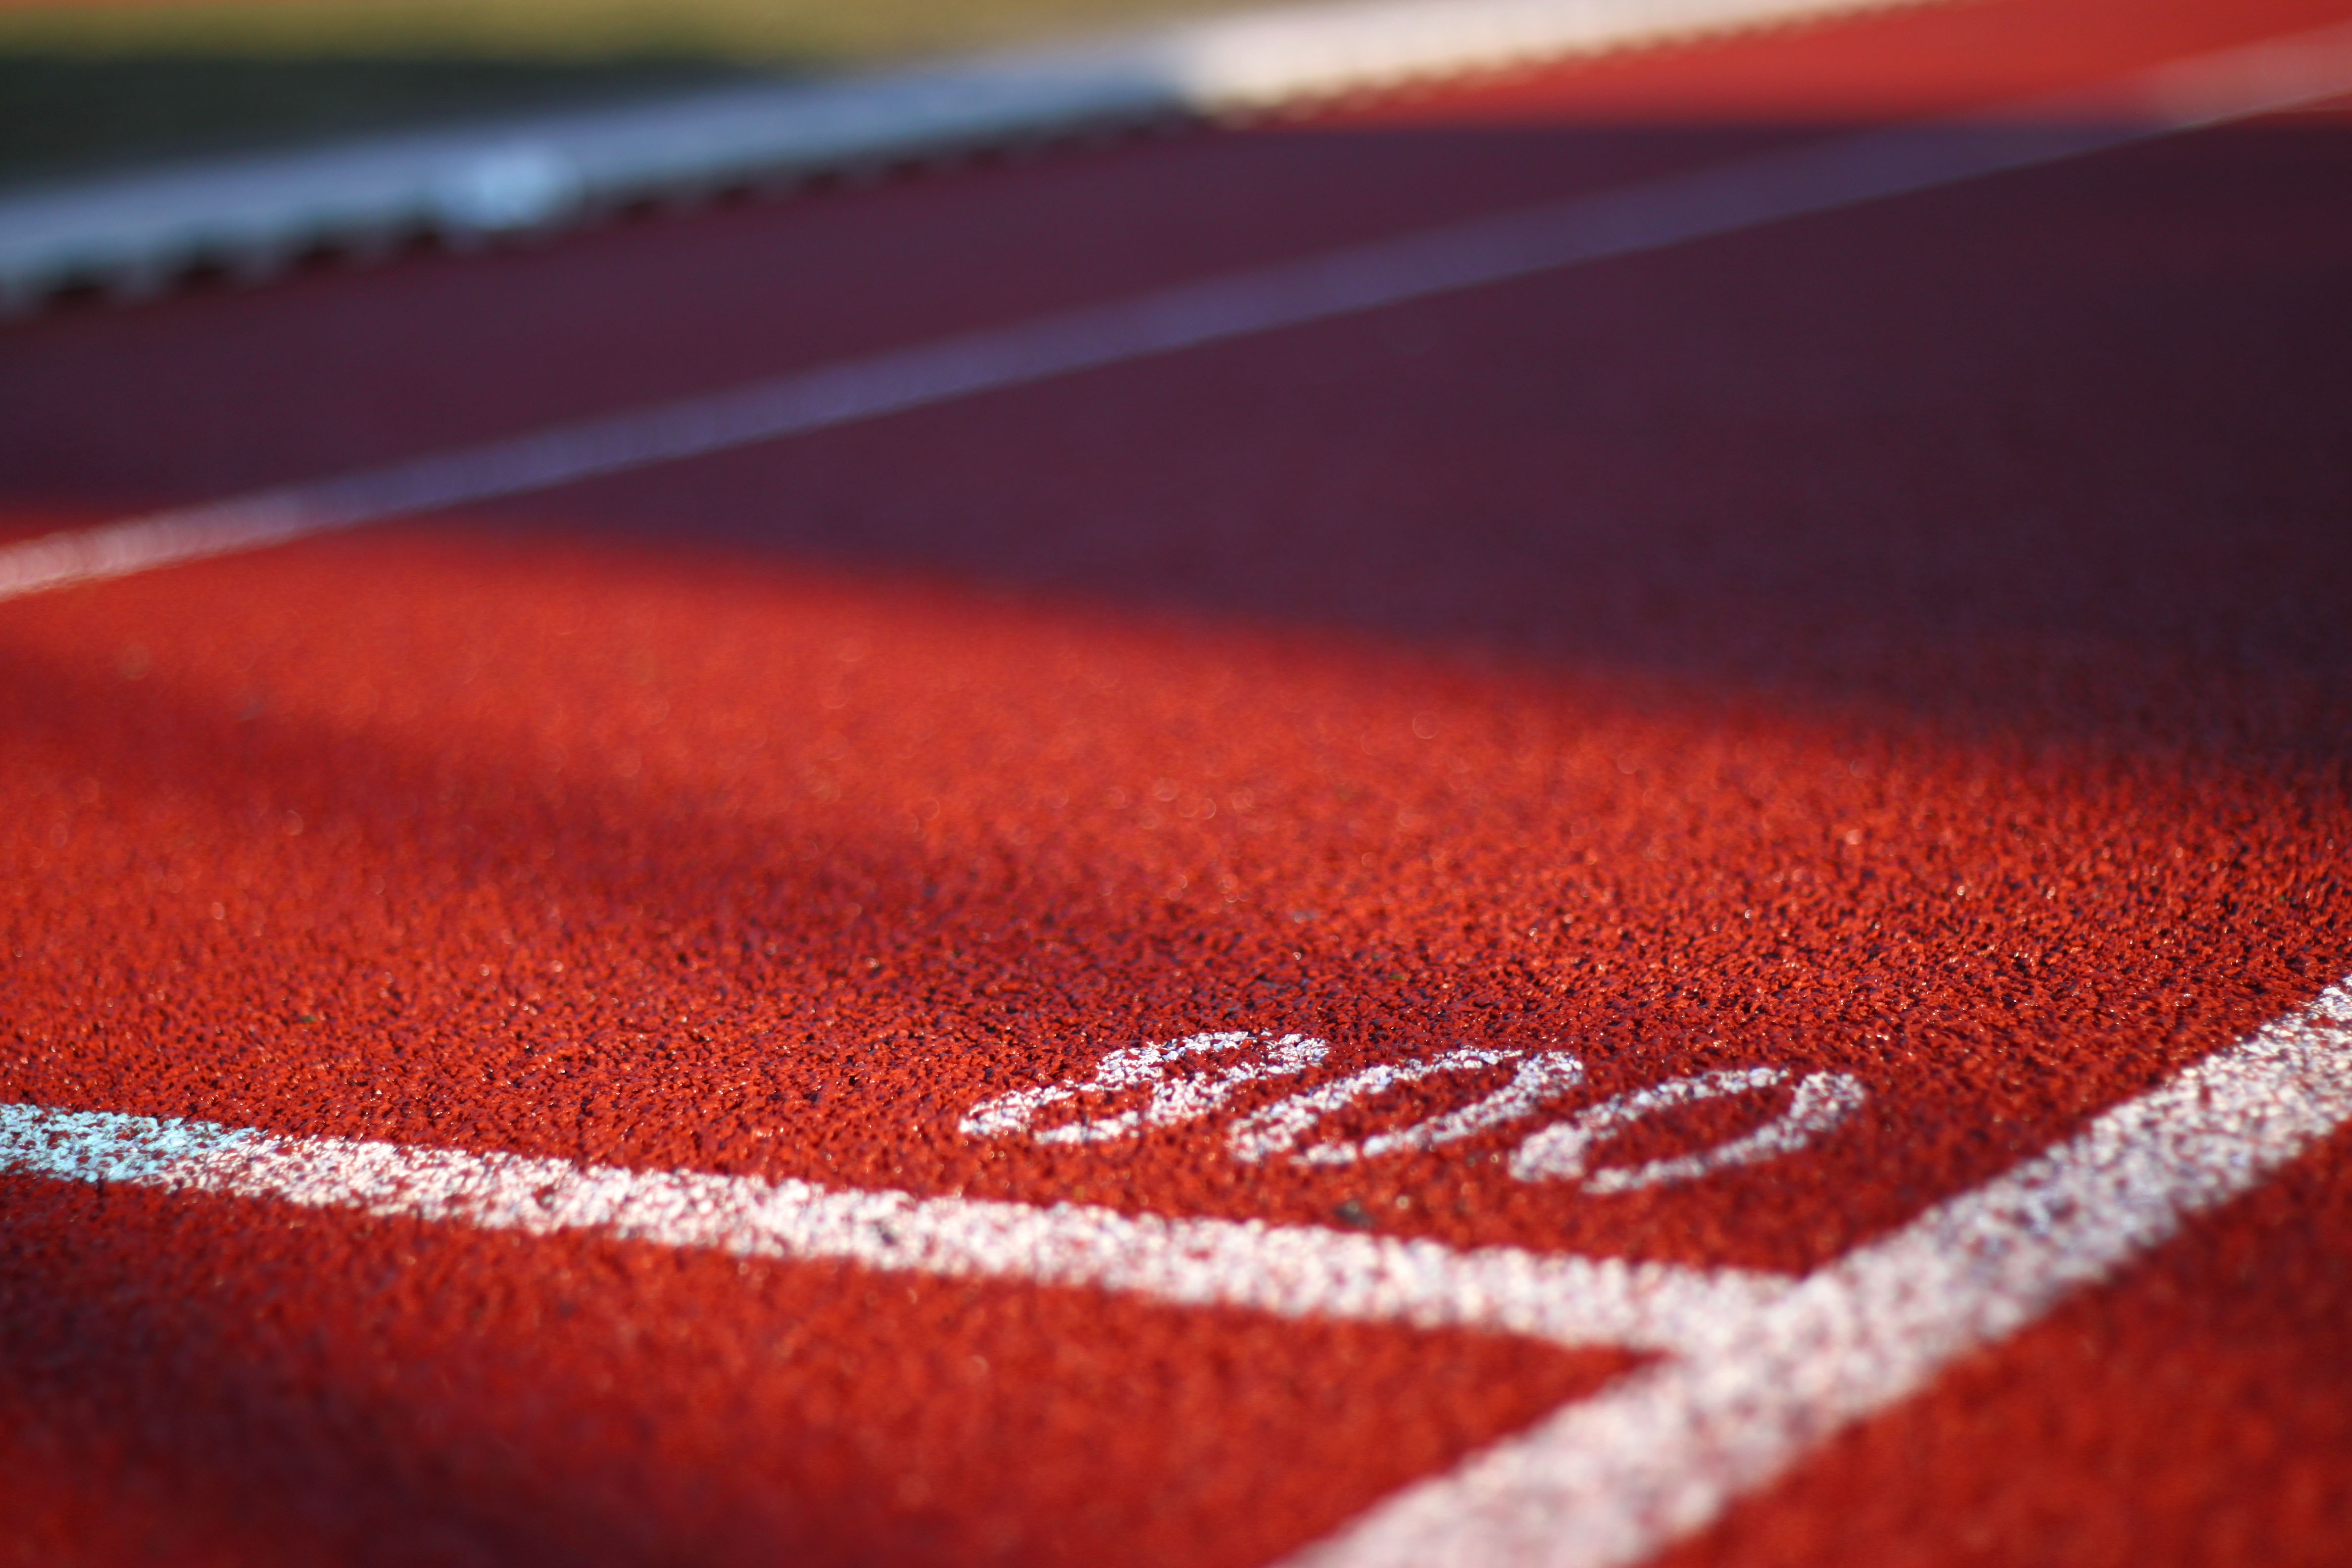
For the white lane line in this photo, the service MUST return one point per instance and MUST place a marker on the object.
(1294, 1271)
(1660, 1454)
(2211, 90)
(1756, 1369)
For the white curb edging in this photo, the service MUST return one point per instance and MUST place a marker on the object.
(134, 234)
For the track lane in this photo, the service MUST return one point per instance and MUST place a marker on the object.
(345, 369)
(1789, 184)
(538, 739)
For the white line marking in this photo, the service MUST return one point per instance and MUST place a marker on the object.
(1756, 1369)
(2231, 85)
(1294, 1271)
(1174, 1100)
(1614, 1478)
(1821, 1100)
(1277, 1129)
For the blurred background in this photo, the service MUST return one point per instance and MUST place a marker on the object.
(99, 84)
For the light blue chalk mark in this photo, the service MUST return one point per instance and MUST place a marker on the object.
(104, 1146)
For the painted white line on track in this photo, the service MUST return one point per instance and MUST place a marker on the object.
(1756, 1369)
(1294, 1271)
(1820, 1101)
(1614, 1479)
(2210, 89)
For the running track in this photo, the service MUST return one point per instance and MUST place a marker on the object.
(534, 1024)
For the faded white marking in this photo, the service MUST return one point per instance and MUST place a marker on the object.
(1294, 1271)
(1824, 177)
(1173, 1101)
(1821, 1100)
(1277, 1129)
(1612, 1479)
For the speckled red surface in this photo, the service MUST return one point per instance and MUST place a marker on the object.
(1909, 642)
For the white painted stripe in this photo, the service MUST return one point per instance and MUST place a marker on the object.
(1293, 1271)
(1711, 202)
(1614, 1478)
(1756, 1369)
(253, 214)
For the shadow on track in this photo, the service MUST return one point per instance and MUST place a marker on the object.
(2055, 470)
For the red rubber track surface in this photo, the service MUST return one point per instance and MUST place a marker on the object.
(1908, 642)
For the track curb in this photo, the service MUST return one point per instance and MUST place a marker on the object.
(137, 234)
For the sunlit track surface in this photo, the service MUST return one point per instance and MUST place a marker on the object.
(1677, 902)
(1756, 1369)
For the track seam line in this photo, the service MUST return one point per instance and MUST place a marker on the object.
(2210, 89)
